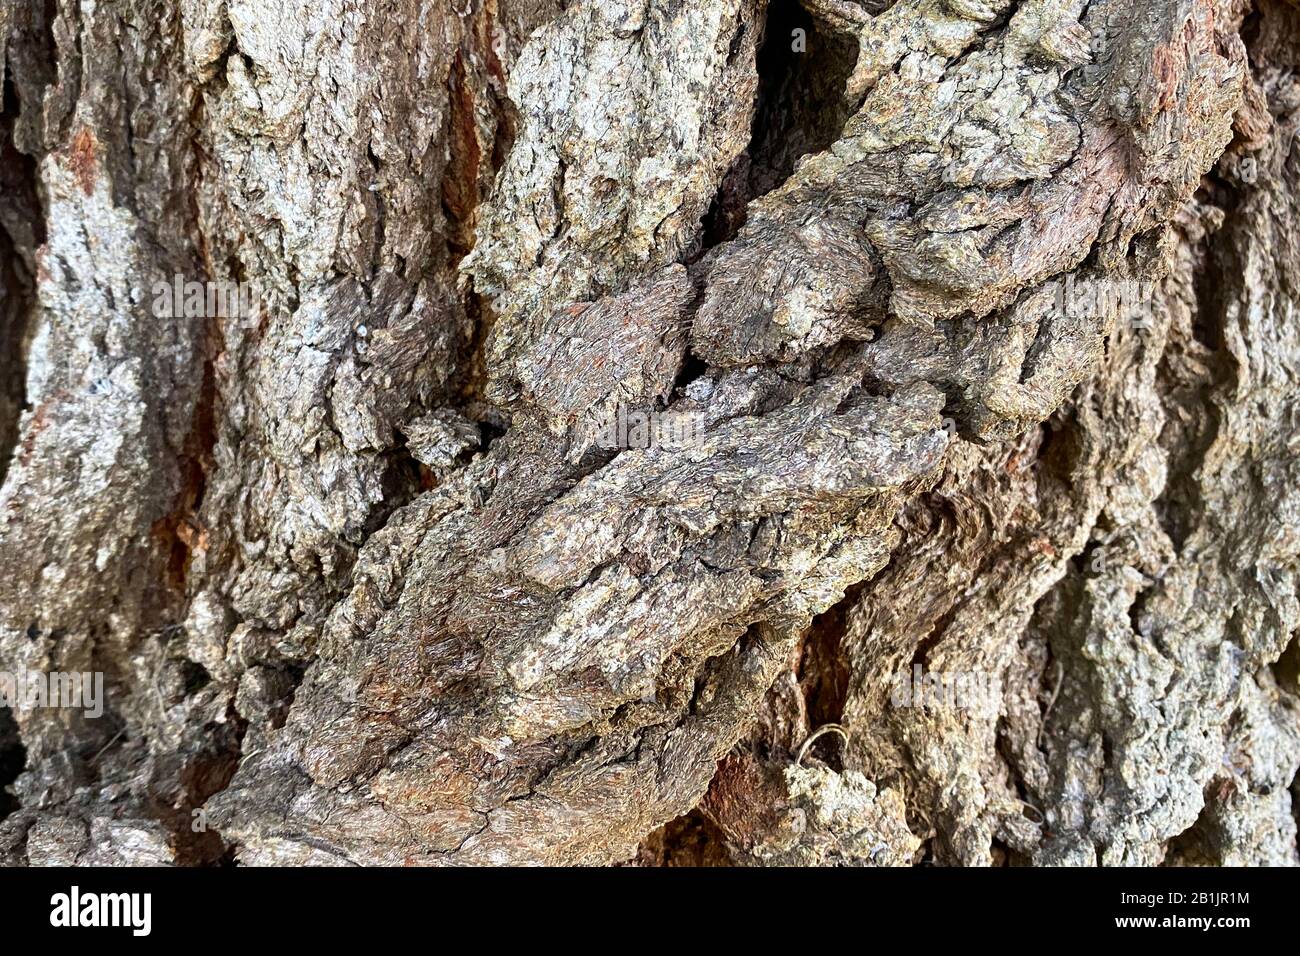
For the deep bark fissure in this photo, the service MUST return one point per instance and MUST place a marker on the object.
(21, 210)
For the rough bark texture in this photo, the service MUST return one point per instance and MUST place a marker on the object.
(365, 588)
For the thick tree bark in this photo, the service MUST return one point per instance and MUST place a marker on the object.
(368, 586)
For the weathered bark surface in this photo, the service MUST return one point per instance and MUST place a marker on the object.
(366, 588)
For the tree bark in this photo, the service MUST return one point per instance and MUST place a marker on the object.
(987, 550)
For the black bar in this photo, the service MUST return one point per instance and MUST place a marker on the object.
(268, 907)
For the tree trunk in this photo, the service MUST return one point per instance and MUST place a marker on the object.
(677, 431)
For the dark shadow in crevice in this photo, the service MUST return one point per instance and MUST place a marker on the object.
(1001, 853)
(825, 672)
(691, 840)
(185, 784)
(1286, 669)
(1191, 847)
(1295, 799)
(1191, 372)
(800, 109)
(13, 760)
(1214, 281)
(692, 368)
(20, 211)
